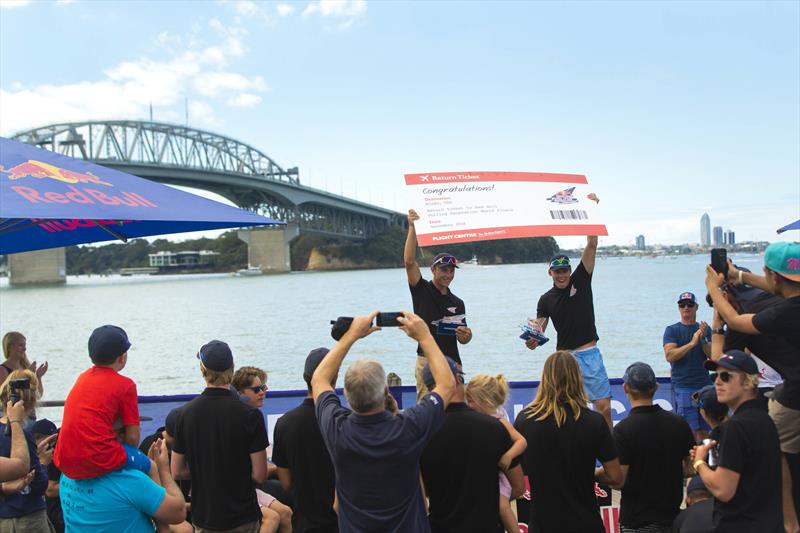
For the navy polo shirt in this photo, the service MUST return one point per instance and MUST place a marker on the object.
(376, 459)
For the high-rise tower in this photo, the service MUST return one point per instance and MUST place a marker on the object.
(705, 230)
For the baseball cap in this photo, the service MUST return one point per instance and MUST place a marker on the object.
(444, 259)
(108, 342)
(687, 297)
(313, 360)
(696, 483)
(43, 427)
(640, 377)
(560, 261)
(427, 375)
(784, 258)
(734, 360)
(706, 399)
(216, 355)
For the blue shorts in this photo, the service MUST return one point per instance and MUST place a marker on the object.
(135, 459)
(595, 377)
(682, 399)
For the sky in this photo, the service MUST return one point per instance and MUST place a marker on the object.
(671, 109)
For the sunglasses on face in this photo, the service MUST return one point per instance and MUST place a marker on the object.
(446, 260)
(258, 388)
(685, 305)
(724, 376)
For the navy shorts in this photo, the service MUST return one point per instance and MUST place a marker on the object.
(682, 399)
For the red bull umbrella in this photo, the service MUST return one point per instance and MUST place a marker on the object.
(793, 225)
(49, 200)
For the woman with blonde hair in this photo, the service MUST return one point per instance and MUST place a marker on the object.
(16, 358)
(565, 439)
(487, 394)
(22, 506)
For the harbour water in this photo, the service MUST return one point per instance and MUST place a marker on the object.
(273, 321)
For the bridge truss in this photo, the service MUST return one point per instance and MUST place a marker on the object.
(195, 158)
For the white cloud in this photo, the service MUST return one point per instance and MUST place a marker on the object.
(284, 9)
(11, 4)
(64, 2)
(247, 8)
(244, 100)
(345, 12)
(199, 71)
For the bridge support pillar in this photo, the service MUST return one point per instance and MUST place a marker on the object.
(42, 267)
(268, 248)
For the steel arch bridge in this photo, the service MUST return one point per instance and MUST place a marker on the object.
(180, 155)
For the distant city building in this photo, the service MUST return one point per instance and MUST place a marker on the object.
(730, 238)
(186, 259)
(718, 237)
(705, 230)
(640, 242)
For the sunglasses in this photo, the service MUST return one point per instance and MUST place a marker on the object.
(258, 388)
(562, 262)
(684, 305)
(446, 260)
(724, 376)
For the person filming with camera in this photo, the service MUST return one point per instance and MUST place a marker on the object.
(22, 506)
(746, 484)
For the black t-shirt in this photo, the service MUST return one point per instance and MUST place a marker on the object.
(430, 305)
(459, 467)
(299, 447)
(653, 443)
(749, 446)
(695, 519)
(560, 463)
(217, 433)
(778, 321)
(54, 512)
(376, 459)
(571, 310)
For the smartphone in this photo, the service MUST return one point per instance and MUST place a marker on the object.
(719, 261)
(388, 320)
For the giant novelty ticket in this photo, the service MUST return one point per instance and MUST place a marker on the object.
(478, 206)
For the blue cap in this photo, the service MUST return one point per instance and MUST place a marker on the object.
(216, 355)
(106, 343)
(640, 377)
(687, 297)
(560, 261)
(43, 427)
(734, 360)
(706, 399)
(313, 360)
(427, 375)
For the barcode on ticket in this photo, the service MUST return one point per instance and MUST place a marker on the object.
(569, 214)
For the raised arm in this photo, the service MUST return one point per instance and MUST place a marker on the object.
(739, 277)
(410, 250)
(590, 251)
(18, 463)
(417, 329)
(727, 313)
(173, 507)
(328, 369)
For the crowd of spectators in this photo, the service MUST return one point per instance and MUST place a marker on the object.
(451, 462)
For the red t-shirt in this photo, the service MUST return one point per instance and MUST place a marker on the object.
(87, 446)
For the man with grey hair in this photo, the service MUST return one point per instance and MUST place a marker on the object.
(375, 454)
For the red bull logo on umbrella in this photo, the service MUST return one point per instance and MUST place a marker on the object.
(40, 170)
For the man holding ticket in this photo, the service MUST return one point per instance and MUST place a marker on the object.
(443, 311)
(571, 306)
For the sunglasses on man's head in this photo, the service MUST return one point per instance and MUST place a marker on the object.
(684, 305)
(561, 262)
(724, 376)
(258, 388)
(446, 260)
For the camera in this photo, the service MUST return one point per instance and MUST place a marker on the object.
(388, 320)
(17, 385)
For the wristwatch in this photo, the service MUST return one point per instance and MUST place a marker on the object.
(698, 463)
(718, 331)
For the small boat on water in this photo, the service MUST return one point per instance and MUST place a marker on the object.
(250, 271)
(471, 262)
